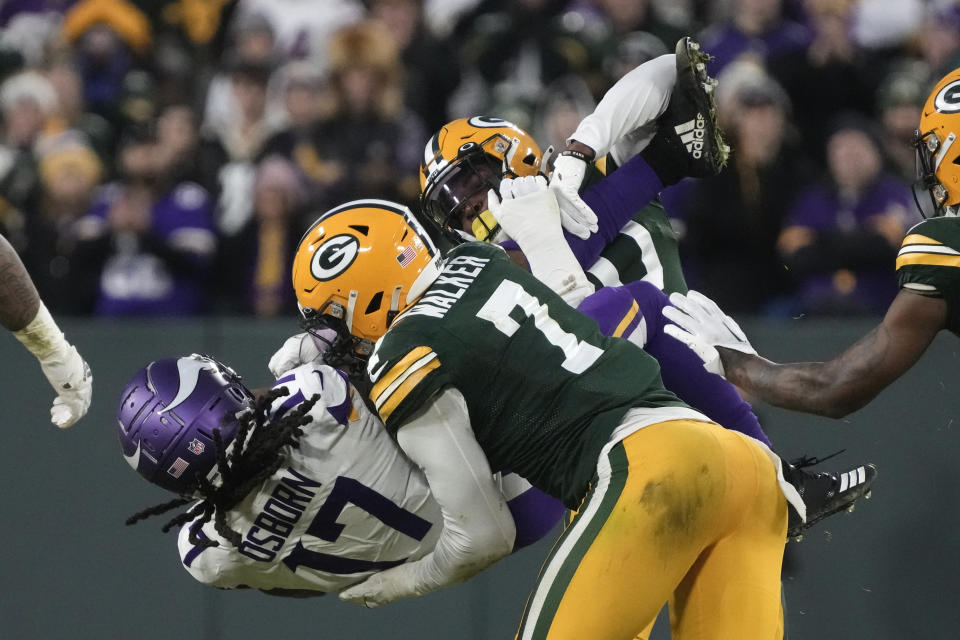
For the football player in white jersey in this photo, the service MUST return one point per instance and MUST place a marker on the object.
(23, 313)
(301, 492)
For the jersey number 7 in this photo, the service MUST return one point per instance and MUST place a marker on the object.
(578, 355)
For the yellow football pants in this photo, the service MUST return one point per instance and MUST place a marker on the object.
(681, 508)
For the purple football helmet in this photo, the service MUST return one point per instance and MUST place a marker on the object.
(167, 415)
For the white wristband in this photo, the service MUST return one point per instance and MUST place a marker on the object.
(42, 337)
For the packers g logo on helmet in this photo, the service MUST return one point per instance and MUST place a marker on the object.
(358, 267)
(938, 154)
(334, 256)
(948, 98)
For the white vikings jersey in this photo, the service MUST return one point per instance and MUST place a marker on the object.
(345, 504)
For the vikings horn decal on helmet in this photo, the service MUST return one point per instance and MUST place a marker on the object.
(938, 151)
(358, 267)
(468, 157)
(167, 416)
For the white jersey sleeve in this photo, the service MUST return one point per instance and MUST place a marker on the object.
(344, 505)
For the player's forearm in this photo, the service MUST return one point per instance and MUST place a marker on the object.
(19, 301)
(452, 562)
(824, 388)
(477, 527)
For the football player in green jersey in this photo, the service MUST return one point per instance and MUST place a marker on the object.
(476, 366)
(928, 271)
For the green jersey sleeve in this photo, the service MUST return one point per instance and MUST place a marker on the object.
(929, 263)
(405, 372)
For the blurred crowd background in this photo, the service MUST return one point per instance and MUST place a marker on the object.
(163, 157)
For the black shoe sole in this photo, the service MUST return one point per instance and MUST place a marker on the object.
(692, 76)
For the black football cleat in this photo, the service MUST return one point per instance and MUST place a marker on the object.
(825, 493)
(688, 142)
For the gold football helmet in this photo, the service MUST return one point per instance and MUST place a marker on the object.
(938, 150)
(355, 270)
(468, 157)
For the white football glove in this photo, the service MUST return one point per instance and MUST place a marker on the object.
(296, 350)
(703, 326)
(513, 188)
(576, 216)
(65, 370)
(514, 205)
(70, 377)
(371, 593)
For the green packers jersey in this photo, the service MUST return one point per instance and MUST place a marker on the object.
(645, 249)
(543, 386)
(929, 263)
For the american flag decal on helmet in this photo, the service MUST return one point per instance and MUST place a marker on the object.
(178, 467)
(406, 256)
(196, 447)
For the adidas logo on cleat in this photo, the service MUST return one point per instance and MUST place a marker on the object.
(691, 135)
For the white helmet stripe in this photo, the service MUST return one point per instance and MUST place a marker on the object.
(943, 149)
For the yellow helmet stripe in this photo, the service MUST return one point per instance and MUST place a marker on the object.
(929, 259)
(627, 319)
(408, 384)
(397, 370)
(917, 238)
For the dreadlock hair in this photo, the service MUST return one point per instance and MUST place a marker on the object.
(248, 465)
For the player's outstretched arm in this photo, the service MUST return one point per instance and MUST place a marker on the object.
(477, 527)
(19, 300)
(23, 313)
(852, 379)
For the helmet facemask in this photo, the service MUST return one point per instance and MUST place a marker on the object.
(345, 351)
(929, 152)
(463, 185)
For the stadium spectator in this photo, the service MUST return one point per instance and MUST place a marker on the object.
(255, 262)
(834, 65)
(842, 234)
(433, 78)
(251, 38)
(307, 101)
(107, 36)
(563, 104)
(511, 53)
(302, 31)
(27, 103)
(235, 141)
(756, 28)
(899, 104)
(149, 244)
(69, 171)
(626, 17)
(371, 145)
(940, 44)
